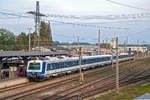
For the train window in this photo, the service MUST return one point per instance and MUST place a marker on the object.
(69, 64)
(58, 66)
(65, 64)
(54, 66)
(77, 62)
(51, 67)
(47, 67)
(102, 59)
(74, 63)
(62, 64)
(85, 61)
(34, 66)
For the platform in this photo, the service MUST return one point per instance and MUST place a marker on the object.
(9, 83)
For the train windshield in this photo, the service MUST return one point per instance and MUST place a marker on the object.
(34, 66)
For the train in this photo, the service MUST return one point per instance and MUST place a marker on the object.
(38, 70)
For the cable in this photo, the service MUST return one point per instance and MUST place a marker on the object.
(88, 25)
(71, 23)
(107, 17)
(12, 14)
(129, 6)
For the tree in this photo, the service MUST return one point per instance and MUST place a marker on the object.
(45, 34)
(22, 41)
(7, 40)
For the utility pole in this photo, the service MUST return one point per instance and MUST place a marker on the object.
(80, 60)
(117, 67)
(78, 41)
(124, 46)
(99, 51)
(103, 44)
(143, 50)
(29, 39)
(127, 44)
(106, 43)
(137, 48)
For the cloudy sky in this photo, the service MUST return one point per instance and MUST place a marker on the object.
(131, 14)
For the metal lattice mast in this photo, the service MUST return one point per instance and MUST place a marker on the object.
(38, 21)
(99, 51)
(37, 16)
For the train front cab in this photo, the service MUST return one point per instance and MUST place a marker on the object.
(35, 71)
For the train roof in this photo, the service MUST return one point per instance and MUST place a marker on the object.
(76, 58)
(55, 59)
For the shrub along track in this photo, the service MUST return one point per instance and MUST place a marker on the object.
(30, 91)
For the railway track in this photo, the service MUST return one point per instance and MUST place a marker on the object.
(94, 89)
(16, 86)
(111, 85)
(60, 83)
(84, 90)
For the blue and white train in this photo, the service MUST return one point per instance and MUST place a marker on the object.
(42, 69)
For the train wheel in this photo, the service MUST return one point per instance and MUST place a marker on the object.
(31, 79)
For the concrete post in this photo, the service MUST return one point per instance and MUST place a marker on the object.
(117, 67)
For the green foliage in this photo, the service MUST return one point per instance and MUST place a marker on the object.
(126, 93)
(45, 34)
(7, 40)
(22, 41)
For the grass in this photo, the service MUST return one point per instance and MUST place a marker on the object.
(129, 92)
(126, 93)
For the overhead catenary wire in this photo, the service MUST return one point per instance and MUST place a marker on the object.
(88, 25)
(106, 17)
(126, 5)
(63, 22)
